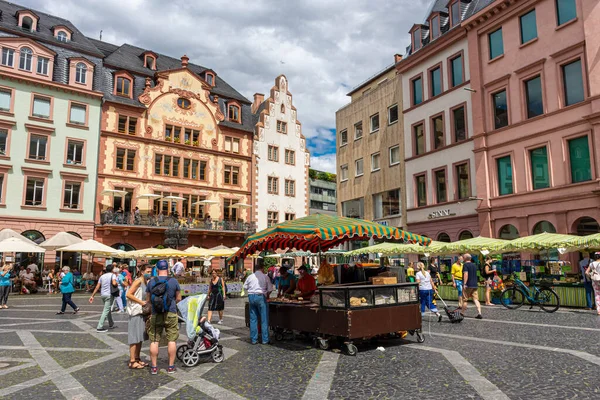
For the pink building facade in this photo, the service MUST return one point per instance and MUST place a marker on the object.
(535, 76)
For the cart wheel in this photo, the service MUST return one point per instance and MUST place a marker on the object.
(218, 355)
(412, 333)
(351, 349)
(180, 350)
(190, 358)
(323, 344)
(279, 336)
(420, 337)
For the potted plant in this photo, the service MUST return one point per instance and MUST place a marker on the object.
(196, 143)
(176, 140)
(187, 142)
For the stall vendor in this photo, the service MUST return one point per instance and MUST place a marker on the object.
(306, 285)
(287, 282)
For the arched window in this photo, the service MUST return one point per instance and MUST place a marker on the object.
(123, 86)
(543, 226)
(123, 247)
(234, 113)
(27, 23)
(465, 235)
(443, 237)
(81, 73)
(184, 103)
(586, 226)
(283, 109)
(35, 236)
(210, 79)
(62, 36)
(74, 234)
(25, 59)
(508, 232)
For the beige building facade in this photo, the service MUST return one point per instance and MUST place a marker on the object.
(370, 149)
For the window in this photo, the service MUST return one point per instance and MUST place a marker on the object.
(272, 218)
(463, 183)
(273, 185)
(421, 190)
(190, 206)
(343, 137)
(232, 144)
(210, 79)
(579, 156)
(174, 133)
(435, 79)
(3, 141)
(1, 188)
(37, 147)
(123, 86)
(290, 216)
(290, 187)
(505, 179)
(540, 178)
(62, 36)
(533, 97)
(42, 65)
(417, 39)
(194, 169)
(27, 23)
(374, 123)
(573, 82)
(496, 44)
(500, 109)
(456, 64)
(565, 11)
(74, 152)
(417, 91)
(455, 13)
(71, 196)
(393, 114)
(234, 113)
(231, 175)
(126, 160)
(358, 131)
(25, 59)
(8, 57)
(386, 204)
(528, 26)
(34, 193)
(375, 162)
(419, 138)
(5, 100)
(437, 126)
(394, 155)
(435, 27)
(81, 73)
(273, 153)
(441, 194)
(78, 114)
(460, 123)
(41, 107)
(229, 214)
(358, 167)
(149, 61)
(290, 157)
(281, 127)
(344, 173)
(184, 103)
(127, 124)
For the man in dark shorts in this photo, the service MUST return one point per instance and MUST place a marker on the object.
(470, 285)
(164, 320)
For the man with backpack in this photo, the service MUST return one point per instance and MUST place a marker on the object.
(163, 292)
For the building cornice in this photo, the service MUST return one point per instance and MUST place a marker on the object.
(431, 49)
(50, 85)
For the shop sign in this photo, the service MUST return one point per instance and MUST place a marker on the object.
(384, 223)
(440, 214)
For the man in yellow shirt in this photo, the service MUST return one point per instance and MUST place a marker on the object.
(410, 272)
(457, 278)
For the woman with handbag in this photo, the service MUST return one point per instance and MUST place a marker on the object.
(137, 308)
(109, 289)
(593, 272)
(488, 276)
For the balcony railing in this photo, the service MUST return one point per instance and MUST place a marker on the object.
(163, 221)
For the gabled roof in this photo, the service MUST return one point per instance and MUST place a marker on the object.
(44, 32)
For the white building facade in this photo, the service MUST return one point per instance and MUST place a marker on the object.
(282, 159)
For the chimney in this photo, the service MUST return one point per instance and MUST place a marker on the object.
(184, 61)
(397, 58)
(258, 99)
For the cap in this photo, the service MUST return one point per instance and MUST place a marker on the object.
(162, 265)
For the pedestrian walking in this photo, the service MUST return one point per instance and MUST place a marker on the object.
(163, 292)
(105, 284)
(457, 278)
(217, 293)
(136, 294)
(5, 284)
(67, 287)
(178, 268)
(488, 276)
(118, 304)
(470, 289)
(593, 272)
(426, 290)
(259, 288)
(587, 281)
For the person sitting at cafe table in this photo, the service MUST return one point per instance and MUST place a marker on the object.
(287, 282)
(306, 285)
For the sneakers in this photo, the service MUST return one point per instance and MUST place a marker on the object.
(479, 316)
(439, 317)
(101, 330)
(154, 370)
(220, 322)
(112, 327)
(171, 369)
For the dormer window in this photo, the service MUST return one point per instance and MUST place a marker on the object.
(210, 78)
(123, 86)
(27, 20)
(150, 61)
(234, 113)
(81, 73)
(416, 39)
(434, 25)
(62, 36)
(27, 23)
(25, 59)
(455, 13)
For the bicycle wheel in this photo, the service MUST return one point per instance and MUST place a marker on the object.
(548, 300)
(512, 298)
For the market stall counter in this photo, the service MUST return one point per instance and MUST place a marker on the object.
(349, 313)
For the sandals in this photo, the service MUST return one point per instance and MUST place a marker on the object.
(139, 361)
(135, 365)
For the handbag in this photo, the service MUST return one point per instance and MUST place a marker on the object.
(114, 290)
(147, 309)
(594, 274)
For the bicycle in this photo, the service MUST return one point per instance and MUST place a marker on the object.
(514, 296)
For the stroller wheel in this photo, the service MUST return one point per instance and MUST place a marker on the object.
(218, 355)
(190, 358)
(180, 350)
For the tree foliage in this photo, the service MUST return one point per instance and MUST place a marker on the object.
(322, 176)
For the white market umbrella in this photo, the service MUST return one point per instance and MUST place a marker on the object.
(93, 248)
(207, 202)
(240, 205)
(16, 245)
(9, 233)
(173, 198)
(61, 239)
(113, 192)
(149, 197)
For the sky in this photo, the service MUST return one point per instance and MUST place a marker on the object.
(324, 47)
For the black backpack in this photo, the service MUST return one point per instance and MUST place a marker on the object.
(159, 296)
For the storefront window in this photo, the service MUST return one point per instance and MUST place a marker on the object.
(508, 232)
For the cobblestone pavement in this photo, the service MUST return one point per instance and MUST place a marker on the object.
(523, 354)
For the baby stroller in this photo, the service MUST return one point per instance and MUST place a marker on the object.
(203, 337)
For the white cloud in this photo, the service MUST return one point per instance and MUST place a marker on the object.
(325, 163)
(326, 47)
